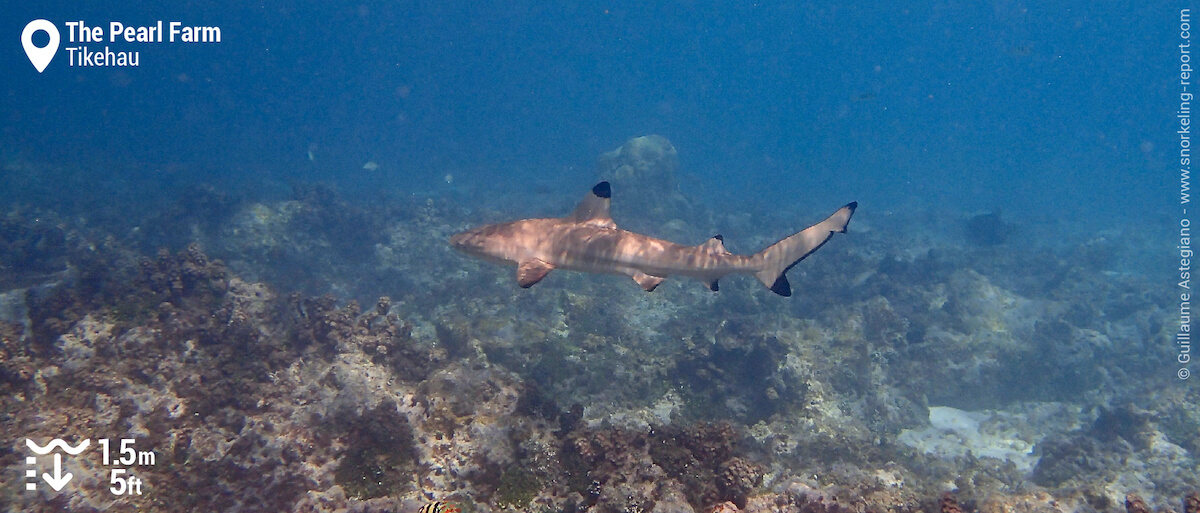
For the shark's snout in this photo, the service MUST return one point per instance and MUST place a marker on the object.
(466, 242)
(473, 242)
(481, 242)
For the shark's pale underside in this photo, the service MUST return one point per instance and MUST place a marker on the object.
(588, 240)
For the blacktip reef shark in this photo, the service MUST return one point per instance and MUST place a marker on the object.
(589, 241)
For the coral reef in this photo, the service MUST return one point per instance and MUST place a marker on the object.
(915, 363)
(517, 489)
(647, 161)
(1135, 504)
(645, 171)
(380, 458)
(988, 229)
(619, 469)
(949, 504)
(280, 241)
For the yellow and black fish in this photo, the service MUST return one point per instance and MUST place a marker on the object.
(440, 507)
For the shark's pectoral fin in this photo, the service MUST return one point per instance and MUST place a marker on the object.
(647, 282)
(530, 272)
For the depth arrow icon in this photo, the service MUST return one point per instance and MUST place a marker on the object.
(58, 480)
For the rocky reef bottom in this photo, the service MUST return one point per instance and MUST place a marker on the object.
(1022, 381)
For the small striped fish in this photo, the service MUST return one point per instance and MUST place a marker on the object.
(440, 507)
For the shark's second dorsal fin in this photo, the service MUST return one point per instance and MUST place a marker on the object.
(593, 209)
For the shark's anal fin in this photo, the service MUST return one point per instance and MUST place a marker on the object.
(530, 272)
(648, 283)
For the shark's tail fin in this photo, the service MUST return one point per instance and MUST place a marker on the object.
(775, 261)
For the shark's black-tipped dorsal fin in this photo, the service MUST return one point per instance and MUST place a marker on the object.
(530, 272)
(593, 209)
(715, 245)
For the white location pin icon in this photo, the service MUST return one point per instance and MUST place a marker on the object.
(40, 57)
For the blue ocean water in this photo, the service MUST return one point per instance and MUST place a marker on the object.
(998, 322)
(1039, 109)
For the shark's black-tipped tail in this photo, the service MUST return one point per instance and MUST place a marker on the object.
(775, 261)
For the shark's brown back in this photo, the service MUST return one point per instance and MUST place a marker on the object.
(588, 240)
